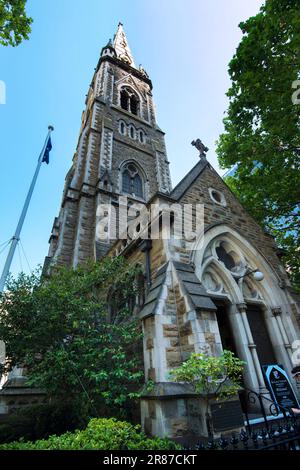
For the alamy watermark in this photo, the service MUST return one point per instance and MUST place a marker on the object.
(2, 352)
(129, 221)
(2, 92)
(296, 94)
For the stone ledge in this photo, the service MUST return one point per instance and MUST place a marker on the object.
(166, 390)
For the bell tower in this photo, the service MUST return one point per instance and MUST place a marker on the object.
(120, 151)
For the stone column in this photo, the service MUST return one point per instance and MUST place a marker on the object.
(242, 345)
(276, 311)
(252, 346)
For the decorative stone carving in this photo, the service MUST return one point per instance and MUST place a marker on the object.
(276, 311)
(212, 282)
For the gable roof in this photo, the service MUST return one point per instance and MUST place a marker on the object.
(154, 293)
(193, 287)
(188, 179)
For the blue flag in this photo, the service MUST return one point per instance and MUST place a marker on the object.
(47, 151)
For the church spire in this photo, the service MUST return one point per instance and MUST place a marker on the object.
(121, 46)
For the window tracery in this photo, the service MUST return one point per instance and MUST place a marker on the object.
(132, 181)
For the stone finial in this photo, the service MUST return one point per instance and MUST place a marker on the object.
(201, 147)
(143, 71)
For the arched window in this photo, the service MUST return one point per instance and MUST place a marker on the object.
(120, 304)
(124, 99)
(129, 100)
(126, 182)
(122, 128)
(132, 182)
(132, 132)
(137, 185)
(141, 137)
(133, 104)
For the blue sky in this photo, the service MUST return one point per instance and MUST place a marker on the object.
(185, 46)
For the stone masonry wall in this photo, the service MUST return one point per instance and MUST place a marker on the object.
(101, 150)
(234, 215)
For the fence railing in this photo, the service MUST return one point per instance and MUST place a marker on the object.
(286, 437)
(251, 400)
(282, 433)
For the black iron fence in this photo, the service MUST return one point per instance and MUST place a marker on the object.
(260, 403)
(274, 428)
(282, 437)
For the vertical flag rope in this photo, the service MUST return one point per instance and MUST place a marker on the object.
(20, 258)
(24, 254)
(5, 243)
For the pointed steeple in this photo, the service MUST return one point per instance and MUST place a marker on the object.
(121, 46)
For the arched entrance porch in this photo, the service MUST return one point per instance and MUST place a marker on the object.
(252, 318)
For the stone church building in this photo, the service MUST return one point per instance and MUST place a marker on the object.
(200, 296)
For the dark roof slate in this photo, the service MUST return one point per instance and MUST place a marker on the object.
(193, 287)
(154, 293)
(188, 179)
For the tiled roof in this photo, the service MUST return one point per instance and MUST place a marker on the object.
(154, 293)
(193, 287)
(189, 178)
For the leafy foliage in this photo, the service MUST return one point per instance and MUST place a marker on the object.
(60, 329)
(211, 375)
(100, 434)
(14, 23)
(262, 133)
(39, 421)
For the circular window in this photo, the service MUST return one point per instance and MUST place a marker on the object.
(217, 196)
(229, 257)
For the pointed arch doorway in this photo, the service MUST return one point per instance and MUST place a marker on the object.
(260, 334)
(225, 327)
(244, 320)
(258, 327)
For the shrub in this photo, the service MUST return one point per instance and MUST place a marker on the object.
(38, 422)
(100, 434)
(65, 327)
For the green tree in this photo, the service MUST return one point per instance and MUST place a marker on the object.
(14, 23)
(211, 377)
(73, 347)
(262, 134)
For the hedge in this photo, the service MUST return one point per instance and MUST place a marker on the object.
(100, 434)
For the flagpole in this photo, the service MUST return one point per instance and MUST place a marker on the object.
(15, 239)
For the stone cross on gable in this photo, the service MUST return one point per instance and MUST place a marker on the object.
(201, 147)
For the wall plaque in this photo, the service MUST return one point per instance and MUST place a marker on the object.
(226, 415)
(279, 386)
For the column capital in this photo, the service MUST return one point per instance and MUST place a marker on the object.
(241, 306)
(276, 311)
